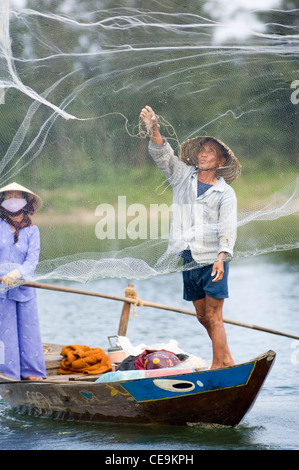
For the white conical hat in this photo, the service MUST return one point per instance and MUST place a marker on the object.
(37, 202)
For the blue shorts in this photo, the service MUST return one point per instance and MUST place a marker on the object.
(198, 283)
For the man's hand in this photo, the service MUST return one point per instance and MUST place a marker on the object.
(149, 117)
(151, 121)
(218, 267)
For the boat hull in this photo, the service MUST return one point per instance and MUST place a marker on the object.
(221, 396)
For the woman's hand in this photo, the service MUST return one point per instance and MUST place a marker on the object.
(10, 278)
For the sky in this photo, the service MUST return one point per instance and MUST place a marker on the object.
(237, 16)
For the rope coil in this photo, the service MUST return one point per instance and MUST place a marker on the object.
(131, 293)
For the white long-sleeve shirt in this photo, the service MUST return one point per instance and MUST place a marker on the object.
(206, 224)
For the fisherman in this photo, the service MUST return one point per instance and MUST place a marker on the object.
(21, 350)
(204, 223)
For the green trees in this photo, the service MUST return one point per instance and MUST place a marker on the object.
(103, 62)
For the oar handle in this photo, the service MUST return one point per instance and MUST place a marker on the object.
(71, 290)
(145, 303)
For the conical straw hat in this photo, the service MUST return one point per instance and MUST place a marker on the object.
(189, 149)
(37, 202)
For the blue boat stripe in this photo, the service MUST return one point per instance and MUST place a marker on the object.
(164, 388)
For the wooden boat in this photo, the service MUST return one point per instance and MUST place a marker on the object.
(217, 397)
(220, 396)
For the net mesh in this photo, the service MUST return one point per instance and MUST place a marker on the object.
(73, 79)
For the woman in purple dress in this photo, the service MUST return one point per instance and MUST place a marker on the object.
(21, 350)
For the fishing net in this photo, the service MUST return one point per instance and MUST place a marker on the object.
(74, 76)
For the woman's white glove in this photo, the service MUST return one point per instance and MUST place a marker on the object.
(10, 278)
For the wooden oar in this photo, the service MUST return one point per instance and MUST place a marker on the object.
(144, 303)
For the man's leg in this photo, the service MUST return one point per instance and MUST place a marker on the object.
(209, 314)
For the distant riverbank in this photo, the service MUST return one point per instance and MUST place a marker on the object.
(77, 204)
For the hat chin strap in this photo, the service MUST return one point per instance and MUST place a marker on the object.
(207, 169)
(212, 169)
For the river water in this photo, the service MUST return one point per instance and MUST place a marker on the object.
(263, 291)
